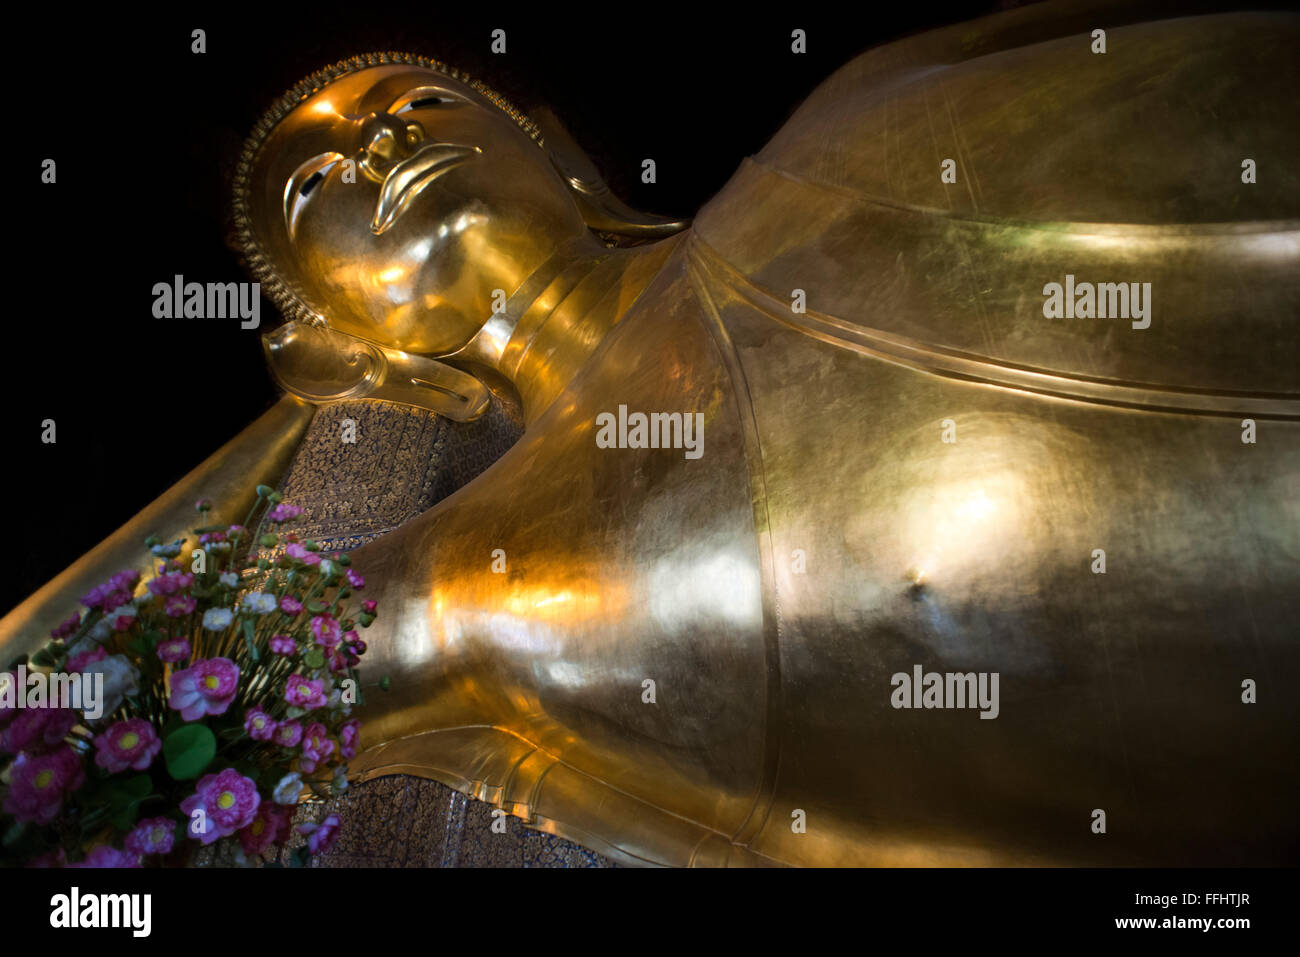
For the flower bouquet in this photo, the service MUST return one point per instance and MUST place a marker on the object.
(201, 706)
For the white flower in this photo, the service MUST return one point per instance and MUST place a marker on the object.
(167, 551)
(229, 579)
(340, 782)
(219, 547)
(259, 602)
(217, 619)
(334, 701)
(327, 568)
(81, 645)
(287, 791)
(120, 679)
(100, 631)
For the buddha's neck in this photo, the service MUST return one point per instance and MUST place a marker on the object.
(558, 316)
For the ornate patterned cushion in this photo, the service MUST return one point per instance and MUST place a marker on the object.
(402, 462)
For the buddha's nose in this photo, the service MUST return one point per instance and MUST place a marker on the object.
(385, 137)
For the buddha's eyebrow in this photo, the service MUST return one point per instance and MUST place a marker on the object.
(423, 97)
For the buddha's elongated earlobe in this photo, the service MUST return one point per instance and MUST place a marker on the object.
(602, 211)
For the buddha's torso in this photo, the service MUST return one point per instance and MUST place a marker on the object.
(917, 469)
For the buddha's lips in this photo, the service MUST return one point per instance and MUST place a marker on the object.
(405, 181)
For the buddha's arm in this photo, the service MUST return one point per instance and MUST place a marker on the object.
(229, 477)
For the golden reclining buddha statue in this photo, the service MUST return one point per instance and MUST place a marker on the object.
(936, 488)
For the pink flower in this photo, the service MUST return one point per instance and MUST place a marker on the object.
(290, 605)
(302, 554)
(174, 649)
(349, 738)
(40, 782)
(37, 728)
(170, 584)
(228, 801)
(95, 597)
(327, 631)
(207, 687)
(269, 826)
(259, 725)
(321, 837)
(105, 856)
(155, 835)
(355, 580)
(178, 606)
(284, 513)
(316, 747)
(283, 645)
(125, 580)
(114, 592)
(288, 734)
(81, 662)
(207, 537)
(369, 606)
(67, 627)
(128, 744)
(305, 694)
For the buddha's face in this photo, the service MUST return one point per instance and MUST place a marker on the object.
(396, 200)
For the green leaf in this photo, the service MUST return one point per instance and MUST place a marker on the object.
(314, 658)
(125, 819)
(14, 834)
(138, 786)
(316, 606)
(249, 640)
(293, 712)
(189, 750)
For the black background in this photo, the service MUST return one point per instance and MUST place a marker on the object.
(146, 135)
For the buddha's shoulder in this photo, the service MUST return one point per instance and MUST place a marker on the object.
(1002, 195)
(1039, 126)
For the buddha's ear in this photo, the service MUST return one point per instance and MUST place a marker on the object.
(602, 210)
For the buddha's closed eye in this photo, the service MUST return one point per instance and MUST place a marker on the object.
(302, 183)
